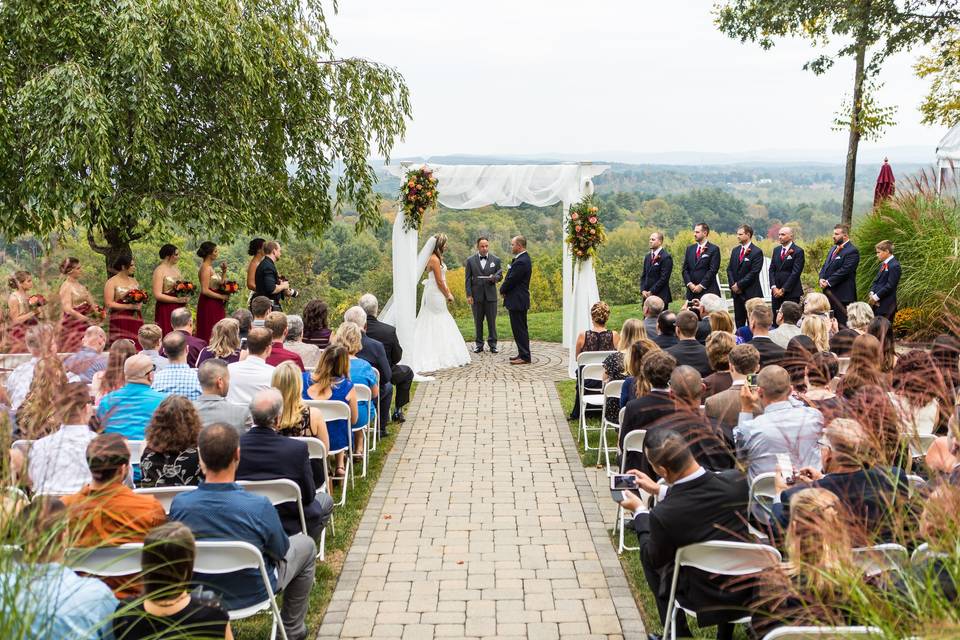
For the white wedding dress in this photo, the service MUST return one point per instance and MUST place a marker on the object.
(438, 343)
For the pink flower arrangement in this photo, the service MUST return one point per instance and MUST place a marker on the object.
(585, 233)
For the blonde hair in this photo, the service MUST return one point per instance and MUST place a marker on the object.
(225, 337)
(633, 361)
(859, 316)
(334, 364)
(815, 302)
(721, 321)
(631, 331)
(289, 381)
(818, 539)
(349, 336)
(600, 312)
(817, 328)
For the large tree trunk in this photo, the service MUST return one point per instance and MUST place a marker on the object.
(116, 243)
(850, 176)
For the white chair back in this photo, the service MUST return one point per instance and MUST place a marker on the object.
(765, 279)
(365, 394)
(107, 562)
(592, 357)
(763, 492)
(881, 557)
(623, 410)
(924, 552)
(843, 365)
(136, 450)
(613, 389)
(278, 491)
(592, 372)
(821, 633)
(331, 409)
(164, 495)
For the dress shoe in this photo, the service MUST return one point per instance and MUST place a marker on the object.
(398, 416)
(519, 361)
(494, 350)
(478, 350)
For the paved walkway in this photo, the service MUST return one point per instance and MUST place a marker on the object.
(484, 523)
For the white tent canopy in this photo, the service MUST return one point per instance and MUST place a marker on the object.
(948, 154)
(474, 186)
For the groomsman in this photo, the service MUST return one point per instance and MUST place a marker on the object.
(838, 275)
(701, 264)
(657, 268)
(786, 265)
(516, 298)
(883, 291)
(743, 273)
(483, 272)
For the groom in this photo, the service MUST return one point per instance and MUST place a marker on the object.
(516, 298)
(483, 272)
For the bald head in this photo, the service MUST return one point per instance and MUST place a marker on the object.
(175, 347)
(774, 384)
(138, 369)
(785, 235)
(266, 407)
(686, 385)
(94, 338)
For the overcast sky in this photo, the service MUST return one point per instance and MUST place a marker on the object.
(535, 76)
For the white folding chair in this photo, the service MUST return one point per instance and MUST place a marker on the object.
(22, 445)
(881, 557)
(916, 484)
(589, 372)
(164, 495)
(923, 552)
(763, 493)
(821, 633)
(12, 497)
(920, 443)
(765, 280)
(843, 364)
(106, 562)
(611, 390)
(633, 442)
(336, 410)
(725, 294)
(278, 491)
(136, 450)
(363, 393)
(317, 451)
(719, 557)
(375, 431)
(216, 557)
(585, 360)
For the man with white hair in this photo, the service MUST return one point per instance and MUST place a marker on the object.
(709, 302)
(652, 307)
(90, 357)
(401, 375)
(309, 353)
(374, 352)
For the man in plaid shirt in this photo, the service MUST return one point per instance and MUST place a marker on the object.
(177, 377)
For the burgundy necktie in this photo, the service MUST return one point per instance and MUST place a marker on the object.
(699, 249)
(743, 252)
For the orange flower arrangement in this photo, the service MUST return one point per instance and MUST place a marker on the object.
(184, 288)
(230, 287)
(418, 193)
(585, 233)
(36, 301)
(135, 296)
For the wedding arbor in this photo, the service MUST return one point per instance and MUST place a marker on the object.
(473, 186)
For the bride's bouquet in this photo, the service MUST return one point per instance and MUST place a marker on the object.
(585, 234)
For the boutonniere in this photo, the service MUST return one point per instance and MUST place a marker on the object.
(884, 267)
(746, 251)
(655, 259)
(789, 252)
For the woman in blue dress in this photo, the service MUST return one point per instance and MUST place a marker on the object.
(331, 381)
(362, 372)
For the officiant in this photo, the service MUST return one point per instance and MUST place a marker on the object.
(483, 271)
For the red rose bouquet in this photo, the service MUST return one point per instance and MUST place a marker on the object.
(135, 296)
(184, 288)
(229, 287)
(36, 301)
(418, 193)
(585, 233)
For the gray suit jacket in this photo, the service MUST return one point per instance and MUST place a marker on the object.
(483, 289)
(217, 409)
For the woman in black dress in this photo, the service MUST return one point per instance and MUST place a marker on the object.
(170, 457)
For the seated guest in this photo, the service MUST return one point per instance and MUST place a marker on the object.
(40, 343)
(309, 353)
(182, 322)
(943, 456)
(90, 357)
(245, 319)
(724, 407)
(687, 351)
(710, 303)
(823, 368)
(945, 351)
(666, 335)
(719, 346)
(298, 420)
(652, 308)
(252, 373)
(613, 365)
(127, 410)
(744, 334)
(918, 392)
(224, 342)
(40, 415)
(401, 376)
(697, 506)
(784, 428)
(212, 405)
(375, 353)
(867, 491)
(331, 381)
(168, 608)
(149, 337)
(881, 329)
(635, 385)
(111, 378)
(788, 323)
(864, 369)
(648, 410)
(219, 509)
(816, 321)
(841, 343)
(805, 590)
(797, 359)
(598, 338)
(170, 456)
(276, 322)
(48, 599)
(260, 306)
(267, 455)
(886, 441)
(721, 321)
(859, 317)
(58, 463)
(938, 527)
(176, 378)
(760, 320)
(316, 326)
(348, 336)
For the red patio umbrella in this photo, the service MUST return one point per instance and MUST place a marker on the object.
(885, 183)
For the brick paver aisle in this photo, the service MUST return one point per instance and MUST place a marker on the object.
(483, 523)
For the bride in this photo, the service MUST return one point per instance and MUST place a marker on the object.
(438, 343)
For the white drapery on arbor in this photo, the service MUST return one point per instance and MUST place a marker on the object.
(474, 186)
(948, 156)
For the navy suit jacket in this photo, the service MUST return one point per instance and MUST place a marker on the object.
(746, 274)
(267, 455)
(516, 286)
(267, 278)
(373, 352)
(656, 276)
(885, 287)
(703, 271)
(785, 272)
(841, 272)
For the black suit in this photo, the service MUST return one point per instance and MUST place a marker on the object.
(770, 351)
(662, 341)
(516, 298)
(481, 284)
(840, 271)
(745, 273)
(656, 275)
(691, 353)
(267, 278)
(401, 376)
(785, 273)
(710, 507)
(702, 270)
(885, 287)
(373, 351)
(644, 413)
(267, 455)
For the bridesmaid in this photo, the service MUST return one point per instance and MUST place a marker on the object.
(20, 316)
(125, 319)
(212, 307)
(255, 251)
(165, 278)
(79, 307)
